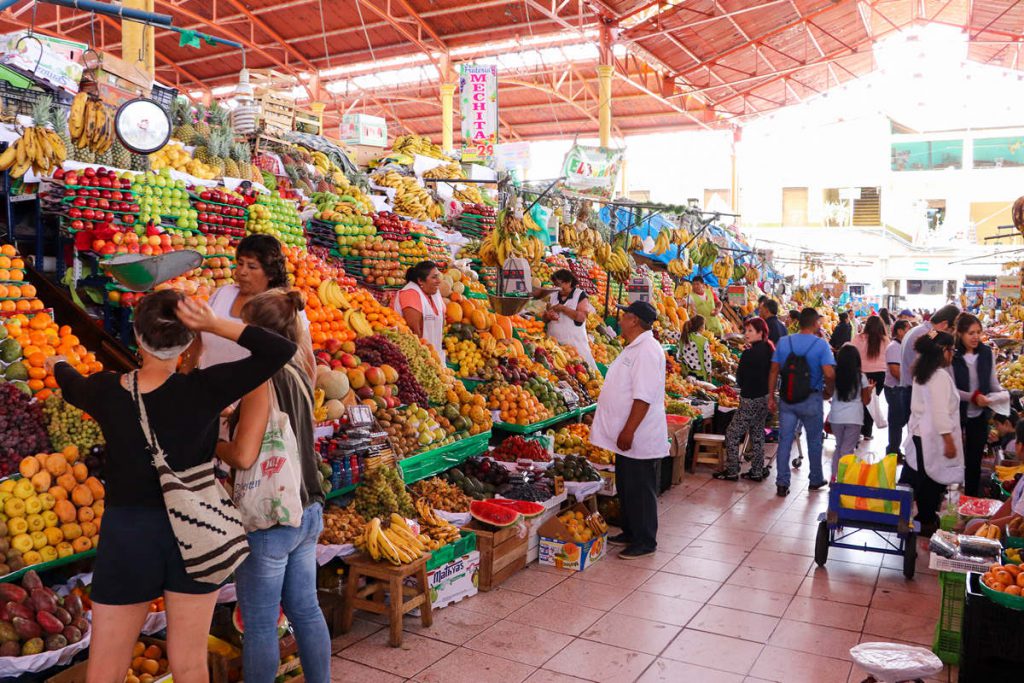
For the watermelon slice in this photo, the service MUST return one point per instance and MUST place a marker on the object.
(524, 507)
(486, 512)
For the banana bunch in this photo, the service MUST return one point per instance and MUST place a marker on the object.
(680, 268)
(635, 243)
(723, 268)
(357, 322)
(323, 163)
(705, 255)
(752, 275)
(470, 194)
(395, 543)
(38, 148)
(989, 531)
(616, 262)
(411, 198)
(446, 171)
(436, 532)
(90, 125)
(510, 223)
(319, 409)
(663, 242)
(417, 144)
(330, 294)
(683, 289)
(500, 244)
(489, 345)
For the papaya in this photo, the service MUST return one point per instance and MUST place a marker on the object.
(498, 332)
(506, 324)
(453, 312)
(479, 320)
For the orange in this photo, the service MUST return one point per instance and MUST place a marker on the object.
(81, 544)
(153, 652)
(8, 250)
(137, 650)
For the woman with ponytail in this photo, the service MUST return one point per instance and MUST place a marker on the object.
(937, 455)
(693, 349)
(281, 567)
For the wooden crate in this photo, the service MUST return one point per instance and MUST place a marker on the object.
(502, 553)
(228, 669)
(277, 115)
(308, 122)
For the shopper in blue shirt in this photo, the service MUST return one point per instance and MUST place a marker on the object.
(810, 411)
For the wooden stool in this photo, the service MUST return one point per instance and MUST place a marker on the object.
(385, 578)
(708, 449)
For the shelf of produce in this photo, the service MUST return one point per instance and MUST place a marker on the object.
(437, 460)
(537, 426)
(46, 566)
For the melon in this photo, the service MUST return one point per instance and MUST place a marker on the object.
(335, 409)
(487, 512)
(334, 383)
(523, 507)
(446, 287)
(454, 274)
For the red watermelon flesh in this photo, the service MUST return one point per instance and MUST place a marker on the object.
(487, 512)
(524, 507)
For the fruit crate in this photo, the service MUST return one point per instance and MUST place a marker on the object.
(76, 673)
(502, 552)
(164, 96)
(947, 631)
(429, 463)
(47, 566)
(446, 553)
(991, 649)
(222, 668)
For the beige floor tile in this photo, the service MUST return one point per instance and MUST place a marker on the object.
(678, 586)
(720, 552)
(826, 613)
(453, 624)
(545, 676)
(906, 602)
(519, 642)
(557, 616)
(766, 580)
(658, 608)
(588, 593)
(615, 572)
(907, 627)
(814, 638)
(631, 633)
(497, 603)
(846, 571)
(892, 579)
(745, 539)
(347, 670)
(599, 662)
(751, 600)
(533, 580)
(467, 666)
(786, 563)
(788, 666)
(361, 628)
(415, 654)
(670, 671)
(709, 649)
(700, 567)
(784, 544)
(824, 587)
(734, 623)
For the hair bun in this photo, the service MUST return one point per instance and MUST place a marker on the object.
(297, 300)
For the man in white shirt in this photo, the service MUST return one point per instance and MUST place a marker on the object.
(630, 422)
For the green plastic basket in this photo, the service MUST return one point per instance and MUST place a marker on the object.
(946, 645)
(1015, 602)
(447, 553)
(1013, 541)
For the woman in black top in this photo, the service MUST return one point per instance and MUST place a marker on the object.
(139, 559)
(281, 567)
(752, 376)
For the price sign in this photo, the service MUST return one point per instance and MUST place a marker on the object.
(360, 416)
(1008, 287)
(572, 399)
(737, 295)
(638, 289)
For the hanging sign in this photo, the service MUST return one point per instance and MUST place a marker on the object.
(592, 170)
(1008, 287)
(478, 88)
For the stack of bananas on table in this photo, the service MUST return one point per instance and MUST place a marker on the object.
(989, 531)
(501, 244)
(446, 171)
(411, 199)
(437, 532)
(38, 148)
(330, 294)
(90, 125)
(395, 543)
(417, 144)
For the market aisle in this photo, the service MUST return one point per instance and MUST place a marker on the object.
(732, 595)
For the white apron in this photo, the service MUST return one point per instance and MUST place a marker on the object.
(566, 331)
(433, 323)
(939, 468)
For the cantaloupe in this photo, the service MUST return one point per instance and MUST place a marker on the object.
(334, 383)
(335, 409)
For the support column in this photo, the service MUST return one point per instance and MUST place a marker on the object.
(137, 39)
(734, 189)
(447, 117)
(604, 106)
(318, 109)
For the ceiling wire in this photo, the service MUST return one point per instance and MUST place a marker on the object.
(551, 103)
(323, 33)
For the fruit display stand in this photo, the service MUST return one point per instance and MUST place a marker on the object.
(224, 665)
(544, 424)
(43, 567)
(432, 462)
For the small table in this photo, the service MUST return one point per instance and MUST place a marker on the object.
(383, 578)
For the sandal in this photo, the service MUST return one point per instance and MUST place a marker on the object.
(754, 477)
(725, 475)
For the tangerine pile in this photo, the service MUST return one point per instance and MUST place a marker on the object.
(148, 663)
(1007, 578)
(40, 338)
(517, 405)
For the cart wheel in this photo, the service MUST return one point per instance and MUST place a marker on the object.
(797, 462)
(910, 555)
(821, 544)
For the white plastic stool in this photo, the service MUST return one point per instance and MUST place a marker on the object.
(894, 662)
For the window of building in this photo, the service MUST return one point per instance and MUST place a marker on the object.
(998, 152)
(927, 155)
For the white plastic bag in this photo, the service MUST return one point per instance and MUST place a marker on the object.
(893, 662)
(876, 412)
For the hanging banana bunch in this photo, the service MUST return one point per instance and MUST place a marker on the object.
(663, 242)
(38, 148)
(89, 124)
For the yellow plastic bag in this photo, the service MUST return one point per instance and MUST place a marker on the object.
(881, 474)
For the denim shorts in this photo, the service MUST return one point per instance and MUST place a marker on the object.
(139, 559)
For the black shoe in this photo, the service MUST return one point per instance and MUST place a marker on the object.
(781, 491)
(634, 553)
(619, 539)
(726, 475)
(815, 487)
(750, 476)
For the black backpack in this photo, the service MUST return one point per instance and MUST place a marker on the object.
(795, 376)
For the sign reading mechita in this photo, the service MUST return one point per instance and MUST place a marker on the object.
(478, 88)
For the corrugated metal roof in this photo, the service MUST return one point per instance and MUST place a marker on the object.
(685, 62)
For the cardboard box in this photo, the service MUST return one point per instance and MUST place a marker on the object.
(111, 95)
(363, 129)
(453, 581)
(76, 673)
(49, 59)
(502, 552)
(559, 549)
(121, 74)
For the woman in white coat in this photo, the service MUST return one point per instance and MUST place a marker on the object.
(422, 306)
(935, 449)
(566, 315)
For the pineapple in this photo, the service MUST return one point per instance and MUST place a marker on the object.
(202, 151)
(218, 148)
(140, 163)
(106, 158)
(202, 128)
(240, 153)
(86, 155)
(181, 114)
(218, 116)
(60, 127)
(122, 158)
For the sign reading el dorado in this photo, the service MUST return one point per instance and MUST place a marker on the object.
(592, 170)
(478, 87)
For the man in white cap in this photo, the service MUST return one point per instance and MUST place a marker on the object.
(630, 422)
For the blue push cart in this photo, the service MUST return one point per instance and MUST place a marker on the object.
(896, 531)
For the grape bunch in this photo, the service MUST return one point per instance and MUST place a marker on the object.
(383, 492)
(22, 428)
(421, 364)
(68, 425)
(377, 350)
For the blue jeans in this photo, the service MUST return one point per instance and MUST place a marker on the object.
(281, 570)
(896, 417)
(811, 413)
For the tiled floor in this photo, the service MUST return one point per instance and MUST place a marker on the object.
(732, 595)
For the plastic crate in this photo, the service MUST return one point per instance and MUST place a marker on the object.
(16, 100)
(948, 628)
(446, 553)
(164, 96)
(991, 648)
